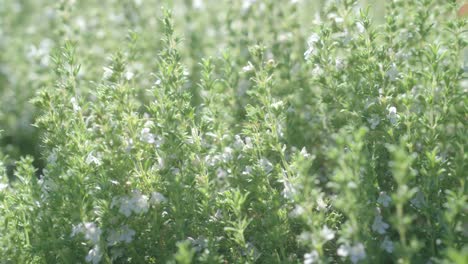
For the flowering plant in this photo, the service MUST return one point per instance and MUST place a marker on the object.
(257, 135)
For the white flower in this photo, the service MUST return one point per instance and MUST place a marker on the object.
(140, 202)
(360, 27)
(374, 121)
(93, 159)
(90, 230)
(94, 255)
(327, 233)
(238, 142)
(146, 136)
(384, 199)
(379, 225)
(3, 186)
(321, 204)
(312, 257)
(392, 115)
(387, 245)
(343, 251)
(198, 4)
(247, 170)
(317, 71)
(221, 173)
(277, 105)
(297, 211)
(304, 153)
(311, 42)
(289, 191)
(157, 198)
(340, 64)
(314, 38)
(75, 105)
(356, 252)
(393, 73)
(125, 206)
(246, 4)
(336, 18)
(108, 72)
(137, 203)
(248, 143)
(125, 234)
(129, 75)
(248, 68)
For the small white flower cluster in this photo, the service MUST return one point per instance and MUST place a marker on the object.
(327, 234)
(248, 68)
(90, 230)
(392, 115)
(148, 137)
(246, 4)
(93, 158)
(242, 144)
(355, 253)
(311, 43)
(311, 257)
(137, 202)
(92, 233)
(124, 234)
(76, 106)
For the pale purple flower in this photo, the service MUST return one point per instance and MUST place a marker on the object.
(356, 252)
(379, 225)
(384, 199)
(387, 245)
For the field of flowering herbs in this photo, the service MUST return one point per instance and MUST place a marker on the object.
(248, 131)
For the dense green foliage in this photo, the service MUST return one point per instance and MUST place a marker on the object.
(224, 131)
